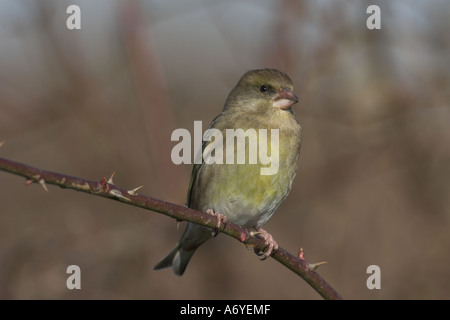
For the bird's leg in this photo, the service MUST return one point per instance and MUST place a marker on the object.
(221, 219)
(271, 244)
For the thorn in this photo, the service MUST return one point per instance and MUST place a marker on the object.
(178, 224)
(110, 180)
(133, 192)
(2, 143)
(42, 183)
(104, 184)
(118, 195)
(28, 182)
(314, 266)
(254, 233)
(244, 236)
(301, 255)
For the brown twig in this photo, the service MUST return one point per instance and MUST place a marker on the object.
(106, 188)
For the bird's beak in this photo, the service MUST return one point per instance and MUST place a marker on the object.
(284, 99)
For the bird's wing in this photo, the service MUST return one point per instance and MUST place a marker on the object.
(197, 167)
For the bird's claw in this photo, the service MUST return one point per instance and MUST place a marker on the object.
(221, 219)
(271, 244)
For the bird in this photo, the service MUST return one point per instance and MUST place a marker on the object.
(236, 192)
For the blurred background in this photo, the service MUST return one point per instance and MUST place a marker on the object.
(373, 180)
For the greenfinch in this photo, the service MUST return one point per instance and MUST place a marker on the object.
(240, 192)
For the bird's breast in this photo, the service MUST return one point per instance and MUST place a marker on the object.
(254, 174)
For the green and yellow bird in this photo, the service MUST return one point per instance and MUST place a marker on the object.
(240, 193)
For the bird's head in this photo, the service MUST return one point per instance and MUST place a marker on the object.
(263, 88)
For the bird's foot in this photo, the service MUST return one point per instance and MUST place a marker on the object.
(221, 219)
(271, 244)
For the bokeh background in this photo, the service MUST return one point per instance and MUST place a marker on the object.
(373, 180)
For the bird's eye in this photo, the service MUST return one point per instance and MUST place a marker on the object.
(263, 88)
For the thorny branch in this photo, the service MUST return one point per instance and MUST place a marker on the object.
(106, 188)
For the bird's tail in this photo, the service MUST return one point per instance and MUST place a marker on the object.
(178, 259)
